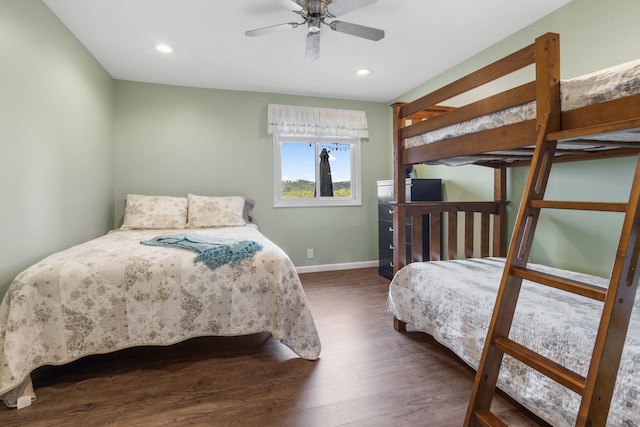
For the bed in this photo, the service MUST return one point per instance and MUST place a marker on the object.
(572, 120)
(114, 292)
(453, 300)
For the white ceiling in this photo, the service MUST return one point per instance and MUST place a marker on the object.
(423, 38)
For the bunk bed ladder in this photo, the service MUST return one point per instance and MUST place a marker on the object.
(596, 389)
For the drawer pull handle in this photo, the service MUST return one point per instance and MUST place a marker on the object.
(391, 247)
(391, 229)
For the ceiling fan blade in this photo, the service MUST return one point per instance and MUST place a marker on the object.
(340, 7)
(291, 5)
(312, 52)
(271, 29)
(357, 30)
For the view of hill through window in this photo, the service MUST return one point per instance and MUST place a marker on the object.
(301, 169)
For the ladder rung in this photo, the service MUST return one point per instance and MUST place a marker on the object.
(551, 369)
(581, 206)
(487, 419)
(579, 288)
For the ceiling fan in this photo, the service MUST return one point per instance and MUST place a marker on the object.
(314, 13)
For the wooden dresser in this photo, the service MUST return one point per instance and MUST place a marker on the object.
(417, 189)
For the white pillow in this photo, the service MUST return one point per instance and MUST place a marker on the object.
(215, 211)
(154, 212)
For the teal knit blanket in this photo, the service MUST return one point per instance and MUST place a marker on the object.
(212, 253)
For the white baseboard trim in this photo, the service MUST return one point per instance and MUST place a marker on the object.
(334, 267)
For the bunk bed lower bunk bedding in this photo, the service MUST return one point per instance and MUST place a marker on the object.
(113, 293)
(608, 84)
(453, 301)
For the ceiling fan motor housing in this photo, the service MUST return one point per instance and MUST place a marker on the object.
(315, 7)
(314, 12)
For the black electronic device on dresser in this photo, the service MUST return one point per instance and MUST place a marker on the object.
(417, 189)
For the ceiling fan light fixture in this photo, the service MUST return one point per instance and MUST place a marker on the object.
(164, 48)
(314, 25)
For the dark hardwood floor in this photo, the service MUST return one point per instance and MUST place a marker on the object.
(368, 375)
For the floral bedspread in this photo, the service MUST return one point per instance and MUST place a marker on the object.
(453, 301)
(112, 293)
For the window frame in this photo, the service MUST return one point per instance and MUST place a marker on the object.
(317, 201)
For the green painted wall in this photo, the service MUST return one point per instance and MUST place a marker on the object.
(74, 141)
(56, 183)
(594, 34)
(171, 140)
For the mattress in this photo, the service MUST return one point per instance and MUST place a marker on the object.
(453, 301)
(607, 84)
(113, 293)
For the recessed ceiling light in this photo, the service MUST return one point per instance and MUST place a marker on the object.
(363, 72)
(164, 48)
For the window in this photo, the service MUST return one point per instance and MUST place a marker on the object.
(316, 155)
(316, 171)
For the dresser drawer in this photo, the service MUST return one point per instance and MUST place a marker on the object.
(385, 263)
(385, 212)
(385, 234)
(385, 193)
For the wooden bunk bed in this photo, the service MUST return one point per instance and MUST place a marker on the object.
(554, 133)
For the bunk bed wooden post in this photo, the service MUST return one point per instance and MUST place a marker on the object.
(399, 217)
(399, 194)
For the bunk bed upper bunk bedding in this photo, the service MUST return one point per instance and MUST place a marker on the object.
(608, 84)
(453, 301)
(115, 292)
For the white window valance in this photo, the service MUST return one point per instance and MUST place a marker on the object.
(296, 120)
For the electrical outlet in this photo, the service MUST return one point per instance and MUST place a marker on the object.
(309, 253)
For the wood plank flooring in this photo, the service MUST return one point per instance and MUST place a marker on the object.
(368, 375)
